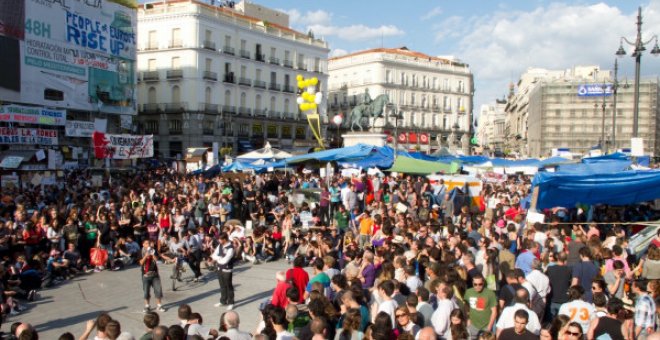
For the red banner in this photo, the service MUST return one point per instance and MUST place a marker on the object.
(424, 138)
(402, 137)
(412, 138)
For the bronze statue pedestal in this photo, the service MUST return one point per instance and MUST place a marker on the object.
(366, 137)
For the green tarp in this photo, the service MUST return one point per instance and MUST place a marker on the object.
(409, 165)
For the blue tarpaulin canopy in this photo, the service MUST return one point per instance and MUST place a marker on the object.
(382, 158)
(561, 189)
(347, 154)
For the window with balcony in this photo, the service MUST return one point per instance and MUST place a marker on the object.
(151, 127)
(176, 41)
(207, 127)
(152, 41)
(388, 76)
(175, 126)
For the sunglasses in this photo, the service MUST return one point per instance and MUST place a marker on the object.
(578, 334)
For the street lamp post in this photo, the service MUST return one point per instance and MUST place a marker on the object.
(397, 116)
(615, 86)
(639, 46)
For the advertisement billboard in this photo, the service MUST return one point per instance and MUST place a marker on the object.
(71, 54)
(595, 90)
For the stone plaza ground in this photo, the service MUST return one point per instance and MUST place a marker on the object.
(67, 307)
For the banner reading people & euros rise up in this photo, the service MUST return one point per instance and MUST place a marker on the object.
(74, 54)
(122, 146)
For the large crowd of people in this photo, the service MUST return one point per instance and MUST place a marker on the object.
(372, 256)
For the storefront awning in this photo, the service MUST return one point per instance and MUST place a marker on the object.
(12, 159)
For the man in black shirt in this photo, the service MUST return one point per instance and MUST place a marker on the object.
(560, 281)
(508, 292)
(519, 329)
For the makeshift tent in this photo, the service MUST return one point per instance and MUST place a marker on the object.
(473, 185)
(382, 158)
(598, 167)
(266, 153)
(346, 154)
(560, 189)
(410, 165)
(554, 161)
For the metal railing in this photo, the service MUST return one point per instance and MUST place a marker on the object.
(175, 44)
(174, 74)
(209, 45)
(244, 81)
(176, 107)
(274, 61)
(289, 89)
(245, 54)
(228, 109)
(244, 111)
(274, 87)
(288, 63)
(208, 75)
(150, 76)
(228, 50)
(209, 108)
(260, 84)
(150, 108)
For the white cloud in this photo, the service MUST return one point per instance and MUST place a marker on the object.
(320, 22)
(434, 12)
(501, 46)
(318, 17)
(337, 52)
(356, 32)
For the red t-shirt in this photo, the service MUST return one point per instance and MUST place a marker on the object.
(299, 278)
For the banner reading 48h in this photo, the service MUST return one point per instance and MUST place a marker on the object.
(122, 146)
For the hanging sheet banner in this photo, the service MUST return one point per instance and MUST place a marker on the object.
(79, 128)
(32, 115)
(27, 136)
(122, 146)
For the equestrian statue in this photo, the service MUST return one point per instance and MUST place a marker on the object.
(368, 108)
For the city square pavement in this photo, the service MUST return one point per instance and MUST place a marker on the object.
(67, 307)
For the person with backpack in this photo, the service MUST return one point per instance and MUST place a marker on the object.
(150, 277)
(223, 255)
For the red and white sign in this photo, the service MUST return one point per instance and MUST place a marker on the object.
(27, 136)
(412, 138)
(122, 146)
(424, 138)
(402, 137)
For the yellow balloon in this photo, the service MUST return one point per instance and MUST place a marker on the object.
(299, 77)
(312, 106)
(301, 84)
(315, 81)
(304, 106)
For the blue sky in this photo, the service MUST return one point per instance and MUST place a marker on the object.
(498, 39)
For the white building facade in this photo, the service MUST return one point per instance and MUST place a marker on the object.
(214, 74)
(433, 95)
(549, 112)
(490, 130)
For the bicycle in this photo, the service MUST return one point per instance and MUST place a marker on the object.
(177, 270)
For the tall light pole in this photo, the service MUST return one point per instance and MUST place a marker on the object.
(615, 86)
(639, 46)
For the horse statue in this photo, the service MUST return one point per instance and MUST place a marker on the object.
(373, 109)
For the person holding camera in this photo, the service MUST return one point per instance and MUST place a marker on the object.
(150, 277)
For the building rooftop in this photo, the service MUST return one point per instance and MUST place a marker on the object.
(405, 52)
(229, 15)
